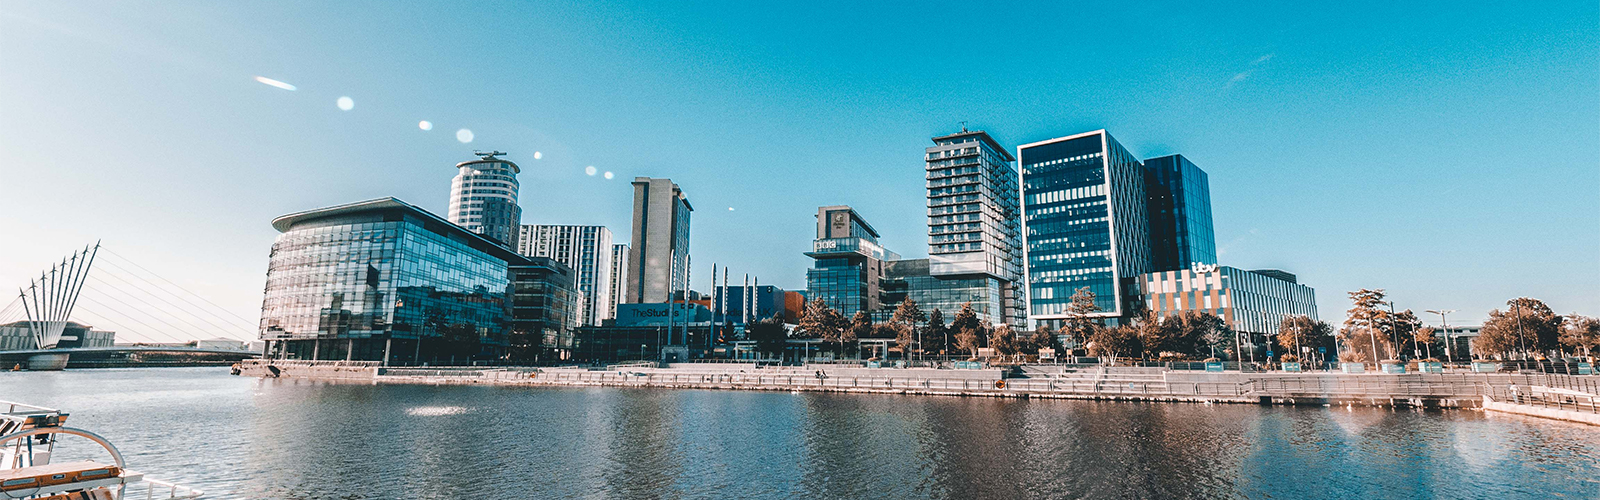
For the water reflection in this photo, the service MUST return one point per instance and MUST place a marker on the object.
(246, 438)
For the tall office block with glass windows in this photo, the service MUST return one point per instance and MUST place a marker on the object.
(1179, 195)
(584, 249)
(483, 198)
(659, 260)
(545, 303)
(383, 280)
(974, 227)
(1085, 223)
(849, 261)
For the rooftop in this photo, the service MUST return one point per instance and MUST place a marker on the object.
(981, 136)
(284, 223)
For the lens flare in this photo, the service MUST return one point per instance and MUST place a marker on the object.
(537, 155)
(589, 170)
(275, 83)
(464, 135)
(608, 175)
(346, 103)
(425, 125)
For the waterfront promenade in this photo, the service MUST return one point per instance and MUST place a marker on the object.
(1448, 390)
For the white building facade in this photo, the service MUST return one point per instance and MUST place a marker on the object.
(585, 249)
(619, 276)
(483, 197)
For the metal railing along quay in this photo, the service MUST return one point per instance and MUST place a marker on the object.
(1545, 397)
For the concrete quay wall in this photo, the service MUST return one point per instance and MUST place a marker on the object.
(316, 370)
(1138, 384)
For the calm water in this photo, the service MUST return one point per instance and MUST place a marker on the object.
(246, 438)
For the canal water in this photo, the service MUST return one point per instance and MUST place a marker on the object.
(246, 438)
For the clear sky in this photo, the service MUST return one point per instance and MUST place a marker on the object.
(1449, 154)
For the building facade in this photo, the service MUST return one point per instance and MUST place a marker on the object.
(1179, 206)
(658, 262)
(585, 249)
(384, 280)
(849, 262)
(18, 336)
(974, 216)
(1085, 224)
(483, 198)
(545, 307)
(1252, 302)
(671, 332)
(914, 279)
(738, 305)
(619, 277)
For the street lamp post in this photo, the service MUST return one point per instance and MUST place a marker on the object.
(1394, 327)
(1372, 332)
(1516, 305)
(1448, 345)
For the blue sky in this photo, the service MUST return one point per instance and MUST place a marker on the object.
(1449, 156)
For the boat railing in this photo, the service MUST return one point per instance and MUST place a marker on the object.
(12, 407)
(156, 488)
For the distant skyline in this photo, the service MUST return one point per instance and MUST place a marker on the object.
(1451, 157)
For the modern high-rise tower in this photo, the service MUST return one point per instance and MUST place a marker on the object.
(619, 277)
(1179, 193)
(974, 227)
(585, 249)
(1086, 223)
(849, 267)
(659, 260)
(483, 197)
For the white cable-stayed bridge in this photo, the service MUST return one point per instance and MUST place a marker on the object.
(71, 306)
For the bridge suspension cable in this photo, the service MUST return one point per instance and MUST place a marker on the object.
(249, 322)
(139, 293)
(102, 306)
(12, 311)
(123, 332)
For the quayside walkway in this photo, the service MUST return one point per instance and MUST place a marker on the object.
(1041, 381)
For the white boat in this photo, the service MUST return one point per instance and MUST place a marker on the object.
(28, 438)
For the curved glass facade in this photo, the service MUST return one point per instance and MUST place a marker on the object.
(384, 276)
(483, 198)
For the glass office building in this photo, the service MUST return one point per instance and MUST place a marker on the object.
(1179, 204)
(914, 279)
(1252, 302)
(849, 262)
(545, 307)
(1084, 222)
(384, 280)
